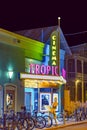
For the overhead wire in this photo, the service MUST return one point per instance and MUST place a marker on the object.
(77, 33)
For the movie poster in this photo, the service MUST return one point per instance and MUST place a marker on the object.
(45, 101)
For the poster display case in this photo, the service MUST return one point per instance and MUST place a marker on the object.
(55, 95)
(10, 99)
(45, 101)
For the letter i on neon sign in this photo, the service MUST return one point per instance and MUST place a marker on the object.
(63, 73)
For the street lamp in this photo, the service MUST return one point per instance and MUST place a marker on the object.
(10, 74)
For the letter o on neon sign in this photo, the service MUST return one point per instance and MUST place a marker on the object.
(43, 69)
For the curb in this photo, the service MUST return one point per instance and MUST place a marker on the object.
(66, 125)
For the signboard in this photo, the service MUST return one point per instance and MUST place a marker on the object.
(43, 70)
(59, 79)
(10, 99)
(54, 49)
(45, 101)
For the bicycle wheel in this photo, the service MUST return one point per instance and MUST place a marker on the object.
(40, 122)
(23, 122)
(83, 116)
(48, 121)
(31, 124)
(13, 126)
(60, 117)
(72, 117)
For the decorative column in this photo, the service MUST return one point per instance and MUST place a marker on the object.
(76, 88)
(76, 81)
(82, 82)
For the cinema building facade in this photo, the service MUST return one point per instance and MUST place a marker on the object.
(29, 72)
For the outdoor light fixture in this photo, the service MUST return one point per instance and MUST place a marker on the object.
(10, 74)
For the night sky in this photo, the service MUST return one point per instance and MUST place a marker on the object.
(30, 14)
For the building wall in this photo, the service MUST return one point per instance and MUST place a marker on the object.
(14, 49)
(12, 58)
(76, 73)
(59, 90)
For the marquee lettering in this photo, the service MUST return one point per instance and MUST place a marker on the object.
(54, 63)
(53, 53)
(46, 70)
(54, 37)
(53, 58)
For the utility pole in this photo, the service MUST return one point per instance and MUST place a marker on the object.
(59, 45)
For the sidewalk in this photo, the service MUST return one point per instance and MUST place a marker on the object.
(64, 125)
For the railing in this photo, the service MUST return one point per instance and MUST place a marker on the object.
(71, 75)
(76, 75)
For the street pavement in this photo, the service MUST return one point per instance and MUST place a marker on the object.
(62, 125)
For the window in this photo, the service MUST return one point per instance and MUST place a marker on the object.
(71, 65)
(85, 67)
(79, 67)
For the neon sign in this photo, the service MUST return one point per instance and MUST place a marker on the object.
(44, 70)
(54, 58)
(54, 49)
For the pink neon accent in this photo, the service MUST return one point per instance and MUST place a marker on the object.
(53, 70)
(63, 73)
(43, 69)
(48, 69)
(37, 69)
(31, 68)
(56, 70)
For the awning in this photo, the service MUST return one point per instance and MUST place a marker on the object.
(42, 81)
(40, 84)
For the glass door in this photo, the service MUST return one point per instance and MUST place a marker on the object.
(28, 101)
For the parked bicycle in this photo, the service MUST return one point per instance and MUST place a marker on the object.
(39, 121)
(19, 120)
(47, 118)
(65, 116)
